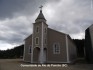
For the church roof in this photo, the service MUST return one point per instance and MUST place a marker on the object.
(30, 36)
(57, 31)
(40, 16)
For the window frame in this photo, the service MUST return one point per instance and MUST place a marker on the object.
(45, 30)
(30, 50)
(36, 41)
(56, 50)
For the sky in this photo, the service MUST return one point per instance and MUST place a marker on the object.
(72, 17)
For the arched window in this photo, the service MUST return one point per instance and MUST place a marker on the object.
(37, 29)
(36, 40)
(29, 49)
(56, 48)
(45, 30)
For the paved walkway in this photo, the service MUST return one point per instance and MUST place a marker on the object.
(16, 64)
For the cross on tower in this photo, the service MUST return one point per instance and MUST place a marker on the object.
(41, 7)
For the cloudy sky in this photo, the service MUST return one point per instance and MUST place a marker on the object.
(68, 16)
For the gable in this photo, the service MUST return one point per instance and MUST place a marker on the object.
(55, 37)
(57, 32)
(29, 37)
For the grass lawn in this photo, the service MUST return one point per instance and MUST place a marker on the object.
(15, 64)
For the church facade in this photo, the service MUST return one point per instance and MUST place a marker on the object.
(46, 45)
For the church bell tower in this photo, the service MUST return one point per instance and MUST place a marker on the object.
(39, 38)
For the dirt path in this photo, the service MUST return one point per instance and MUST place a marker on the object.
(15, 64)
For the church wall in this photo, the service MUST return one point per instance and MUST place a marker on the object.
(71, 50)
(27, 55)
(56, 37)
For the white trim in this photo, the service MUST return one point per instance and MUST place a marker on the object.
(24, 51)
(36, 47)
(41, 48)
(67, 49)
(42, 35)
(32, 50)
(32, 46)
